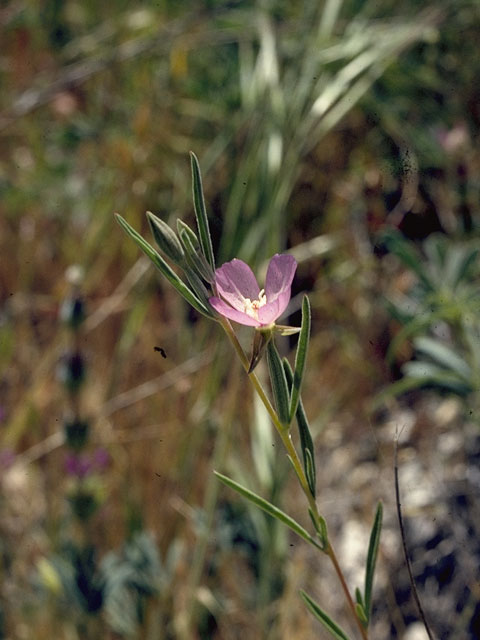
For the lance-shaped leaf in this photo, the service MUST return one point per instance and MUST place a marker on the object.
(271, 509)
(164, 268)
(320, 527)
(195, 259)
(182, 226)
(279, 383)
(306, 441)
(334, 629)
(360, 608)
(197, 286)
(201, 212)
(372, 559)
(300, 357)
(166, 239)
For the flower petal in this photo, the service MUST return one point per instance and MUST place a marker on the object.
(233, 314)
(235, 282)
(279, 278)
(273, 310)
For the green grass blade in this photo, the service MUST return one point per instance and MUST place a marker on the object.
(300, 357)
(372, 559)
(332, 627)
(271, 509)
(279, 383)
(201, 212)
(164, 268)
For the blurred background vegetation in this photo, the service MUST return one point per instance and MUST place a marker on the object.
(344, 132)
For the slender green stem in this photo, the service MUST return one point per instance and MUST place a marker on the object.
(284, 433)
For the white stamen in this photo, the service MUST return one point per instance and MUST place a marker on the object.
(251, 307)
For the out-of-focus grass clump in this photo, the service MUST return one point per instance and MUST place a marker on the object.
(319, 127)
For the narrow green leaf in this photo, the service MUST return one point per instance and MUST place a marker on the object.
(300, 357)
(268, 507)
(372, 559)
(360, 611)
(306, 441)
(201, 212)
(360, 608)
(443, 355)
(279, 383)
(310, 471)
(463, 269)
(195, 259)
(181, 226)
(164, 268)
(358, 596)
(166, 239)
(320, 527)
(334, 629)
(197, 286)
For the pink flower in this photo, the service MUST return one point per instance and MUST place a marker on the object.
(242, 300)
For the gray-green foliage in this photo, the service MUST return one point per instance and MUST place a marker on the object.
(296, 84)
(440, 314)
(131, 576)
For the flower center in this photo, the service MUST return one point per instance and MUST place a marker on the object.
(251, 307)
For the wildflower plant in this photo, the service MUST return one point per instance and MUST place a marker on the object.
(231, 293)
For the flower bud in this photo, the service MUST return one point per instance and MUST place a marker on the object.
(166, 239)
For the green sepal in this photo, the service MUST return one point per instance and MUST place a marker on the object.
(261, 338)
(306, 441)
(166, 239)
(271, 509)
(195, 259)
(164, 268)
(201, 212)
(279, 383)
(320, 527)
(300, 357)
(372, 559)
(283, 330)
(332, 627)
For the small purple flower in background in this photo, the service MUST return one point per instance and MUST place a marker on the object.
(242, 300)
(79, 466)
(83, 465)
